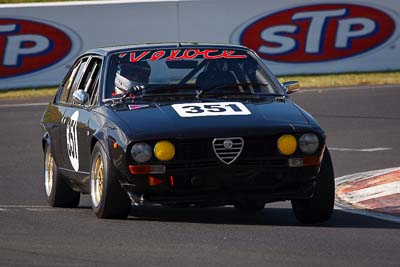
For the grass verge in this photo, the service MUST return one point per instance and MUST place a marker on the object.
(27, 93)
(306, 81)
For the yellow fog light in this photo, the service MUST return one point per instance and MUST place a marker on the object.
(287, 144)
(164, 150)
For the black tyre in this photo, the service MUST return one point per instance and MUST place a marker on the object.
(109, 200)
(319, 208)
(58, 192)
(249, 205)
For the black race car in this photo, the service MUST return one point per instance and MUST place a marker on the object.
(182, 125)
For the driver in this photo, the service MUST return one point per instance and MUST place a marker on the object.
(131, 75)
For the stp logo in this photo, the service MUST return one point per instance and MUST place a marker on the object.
(27, 46)
(317, 33)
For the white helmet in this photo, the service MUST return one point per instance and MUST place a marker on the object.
(131, 75)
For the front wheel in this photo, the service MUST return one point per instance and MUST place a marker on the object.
(319, 208)
(108, 198)
(58, 192)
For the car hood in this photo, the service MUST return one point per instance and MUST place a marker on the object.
(154, 121)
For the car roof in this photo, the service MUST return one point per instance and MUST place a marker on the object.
(104, 51)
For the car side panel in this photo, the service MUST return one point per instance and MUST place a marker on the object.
(51, 122)
(75, 144)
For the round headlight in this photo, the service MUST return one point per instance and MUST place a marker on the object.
(287, 144)
(308, 143)
(141, 152)
(164, 150)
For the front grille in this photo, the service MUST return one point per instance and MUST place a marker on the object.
(203, 154)
(228, 150)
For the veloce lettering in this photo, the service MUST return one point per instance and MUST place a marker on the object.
(179, 54)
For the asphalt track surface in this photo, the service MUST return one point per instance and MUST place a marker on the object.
(33, 234)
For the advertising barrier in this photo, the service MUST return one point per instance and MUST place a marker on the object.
(38, 42)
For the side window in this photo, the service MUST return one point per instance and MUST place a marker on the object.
(63, 96)
(94, 96)
(90, 74)
(90, 79)
(77, 79)
(91, 85)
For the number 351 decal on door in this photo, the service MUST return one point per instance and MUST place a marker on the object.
(72, 141)
(211, 109)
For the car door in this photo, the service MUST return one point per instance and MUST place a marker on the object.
(55, 114)
(76, 134)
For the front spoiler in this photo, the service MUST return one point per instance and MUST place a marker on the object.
(223, 186)
(220, 198)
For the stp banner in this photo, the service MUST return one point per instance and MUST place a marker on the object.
(38, 42)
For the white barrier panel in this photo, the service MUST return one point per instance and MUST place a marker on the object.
(38, 42)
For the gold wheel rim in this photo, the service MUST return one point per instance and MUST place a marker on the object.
(97, 180)
(49, 174)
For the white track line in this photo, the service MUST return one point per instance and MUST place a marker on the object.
(375, 149)
(42, 209)
(5, 208)
(22, 206)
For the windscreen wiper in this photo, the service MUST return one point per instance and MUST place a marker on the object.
(221, 86)
(229, 85)
(168, 88)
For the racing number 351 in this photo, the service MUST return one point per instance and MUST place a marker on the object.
(211, 109)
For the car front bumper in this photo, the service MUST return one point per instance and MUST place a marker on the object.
(222, 185)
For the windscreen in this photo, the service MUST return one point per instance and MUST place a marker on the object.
(188, 70)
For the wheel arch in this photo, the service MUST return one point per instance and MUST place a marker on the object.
(99, 137)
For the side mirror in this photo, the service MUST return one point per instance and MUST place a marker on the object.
(291, 86)
(80, 97)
